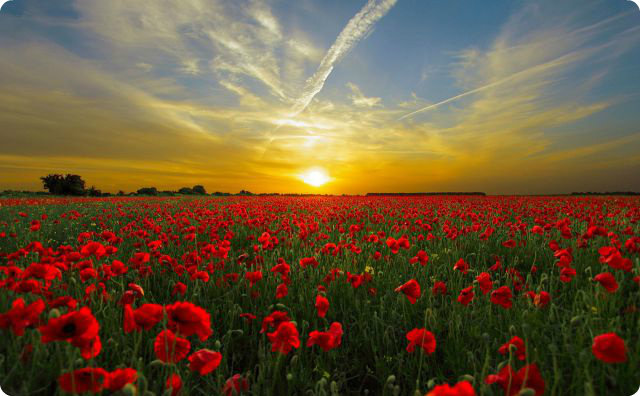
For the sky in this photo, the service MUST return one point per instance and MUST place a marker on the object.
(500, 96)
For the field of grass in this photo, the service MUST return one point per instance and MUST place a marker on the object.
(226, 295)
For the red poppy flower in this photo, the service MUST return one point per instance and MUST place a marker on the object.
(567, 274)
(80, 328)
(502, 296)
(308, 261)
(509, 243)
(541, 299)
(422, 257)
(281, 268)
(609, 348)
(513, 382)
(20, 316)
(518, 343)
(411, 289)
(179, 288)
(253, 277)
(355, 280)
(145, 317)
(466, 296)
(608, 281)
(274, 319)
(326, 340)
(282, 291)
(118, 378)
(83, 380)
(439, 287)
(235, 385)
(461, 266)
(93, 248)
(170, 348)
(187, 319)
(45, 272)
(174, 382)
(485, 283)
(393, 245)
(322, 306)
(204, 361)
(422, 338)
(284, 338)
(462, 388)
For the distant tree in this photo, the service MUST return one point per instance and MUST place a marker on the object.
(121, 193)
(198, 189)
(63, 185)
(245, 192)
(148, 191)
(185, 190)
(94, 192)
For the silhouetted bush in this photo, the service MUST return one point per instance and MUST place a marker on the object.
(185, 190)
(148, 191)
(63, 185)
(198, 189)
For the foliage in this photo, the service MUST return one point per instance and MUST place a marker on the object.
(63, 185)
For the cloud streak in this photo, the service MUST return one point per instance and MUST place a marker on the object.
(357, 28)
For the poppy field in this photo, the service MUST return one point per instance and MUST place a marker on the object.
(455, 295)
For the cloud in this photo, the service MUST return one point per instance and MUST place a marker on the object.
(357, 28)
(358, 98)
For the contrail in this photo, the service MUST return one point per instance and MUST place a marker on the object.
(357, 28)
(456, 97)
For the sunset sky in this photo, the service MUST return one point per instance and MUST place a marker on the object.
(501, 96)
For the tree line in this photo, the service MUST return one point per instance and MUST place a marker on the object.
(73, 185)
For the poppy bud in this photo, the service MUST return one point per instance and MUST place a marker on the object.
(431, 383)
(54, 313)
(237, 332)
(512, 329)
(391, 379)
(281, 306)
(333, 387)
(467, 377)
(289, 377)
(396, 390)
(576, 320)
(217, 345)
(129, 390)
(527, 392)
(156, 363)
(294, 360)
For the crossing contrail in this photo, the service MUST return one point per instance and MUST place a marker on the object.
(357, 28)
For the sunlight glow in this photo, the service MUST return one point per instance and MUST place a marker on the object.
(315, 177)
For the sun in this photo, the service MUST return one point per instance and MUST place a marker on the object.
(315, 177)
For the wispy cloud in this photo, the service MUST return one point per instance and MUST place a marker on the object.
(357, 28)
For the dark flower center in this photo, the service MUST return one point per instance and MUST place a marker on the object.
(69, 328)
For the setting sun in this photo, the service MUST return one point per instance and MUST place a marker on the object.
(315, 177)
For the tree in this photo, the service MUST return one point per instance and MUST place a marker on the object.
(198, 189)
(94, 192)
(148, 191)
(185, 190)
(63, 185)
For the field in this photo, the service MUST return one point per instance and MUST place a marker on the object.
(320, 295)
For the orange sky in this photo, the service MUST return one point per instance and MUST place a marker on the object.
(511, 97)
